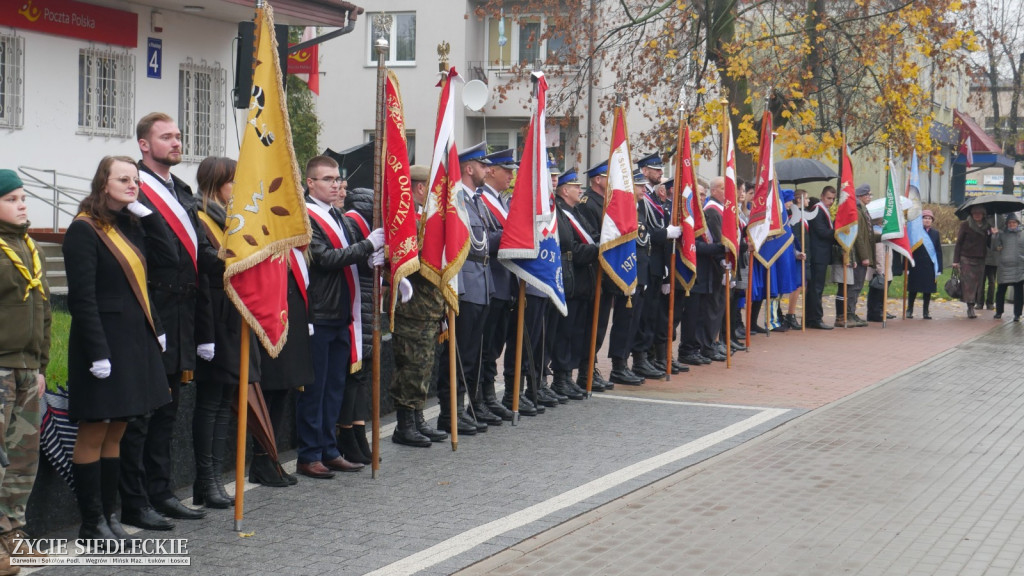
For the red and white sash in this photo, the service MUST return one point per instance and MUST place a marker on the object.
(654, 205)
(496, 207)
(714, 205)
(300, 272)
(580, 232)
(172, 211)
(356, 217)
(820, 208)
(338, 240)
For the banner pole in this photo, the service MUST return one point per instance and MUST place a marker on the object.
(846, 260)
(453, 382)
(803, 267)
(885, 283)
(768, 302)
(747, 308)
(243, 413)
(591, 357)
(518, 372)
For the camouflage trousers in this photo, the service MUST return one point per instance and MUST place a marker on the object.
(413, 342)
(19, 428)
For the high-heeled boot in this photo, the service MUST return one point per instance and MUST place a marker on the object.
(264, 470)
(88, 492)
(347, 445)
(360, 433)
(220, 446)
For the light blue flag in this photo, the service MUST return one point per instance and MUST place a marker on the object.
(915, 224)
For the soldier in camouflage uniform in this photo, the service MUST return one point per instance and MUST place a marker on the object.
(414, 341)
(24, 353)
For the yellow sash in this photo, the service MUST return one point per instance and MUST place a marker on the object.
(35, 277)
(132, 262)
(214, 233)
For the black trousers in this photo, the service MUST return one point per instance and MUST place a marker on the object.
(689, 312)
(712, 316)
(569, 335)
(496, 328)
(211, 421)
(469, 334)
(816, 274)
(146, 453)
(1018, 297)
(533, 325)
(650, 310)
(355, 405)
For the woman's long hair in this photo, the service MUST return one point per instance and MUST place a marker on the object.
(95, 204)
(213, 173)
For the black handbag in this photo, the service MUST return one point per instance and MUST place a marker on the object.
(954, 287)
(877, 282)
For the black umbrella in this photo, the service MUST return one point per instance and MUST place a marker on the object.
(800, 170)
(356, 164)
(993, 204)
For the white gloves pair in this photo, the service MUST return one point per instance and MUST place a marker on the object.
(376, 259)
(139, 209)
(376, 238)
(673, 232)
(205, 351)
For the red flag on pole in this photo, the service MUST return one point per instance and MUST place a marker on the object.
(730, 221)
(765, 210)
(845, 221)
(686, 186)
(445, 226)
(397, 206)
(307, 61)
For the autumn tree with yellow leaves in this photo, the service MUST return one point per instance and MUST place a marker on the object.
(863, 69)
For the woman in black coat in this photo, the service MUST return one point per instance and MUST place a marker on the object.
(921, 277)
(115, 371)
(216, 379)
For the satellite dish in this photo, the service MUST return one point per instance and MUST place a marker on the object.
(475, 95)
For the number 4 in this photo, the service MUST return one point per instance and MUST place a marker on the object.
(154, 61)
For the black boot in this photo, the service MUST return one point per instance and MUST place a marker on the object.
(595, 383)
(265, 471)
(621, 375)
(220, 447)
(924, 307)
(359, 430)
(110, 476)
(599, 377)
(347, 445)
(406, 432)
(641, 367)
(88, 491)
(660, 361)
(526, 408)
(444, 420)
(484, 414)
(492, 403)
(426, 429)
(204, 490)
(562, 384)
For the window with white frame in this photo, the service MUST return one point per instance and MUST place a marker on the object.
(106, 93)
(521, 41)
(401, 39)
(12, 80)
(201, 103)
(410, 142)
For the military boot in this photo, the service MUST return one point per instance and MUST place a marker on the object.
(562, 384)
(621, 374)
(492, 403)
(657, 359)
(595, 384)
(426, 429)
(641, 367)
(526, 408)
(406, 432)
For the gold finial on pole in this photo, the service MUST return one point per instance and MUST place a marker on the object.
(443, 49)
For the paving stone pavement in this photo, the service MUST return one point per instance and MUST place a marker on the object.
(521, 500)
(919, 474)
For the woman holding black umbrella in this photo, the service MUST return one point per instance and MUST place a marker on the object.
(972, 243)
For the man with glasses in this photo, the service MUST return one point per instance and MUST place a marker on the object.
(147, 497)
(337, 246)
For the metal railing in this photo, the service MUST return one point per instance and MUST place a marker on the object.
(61, 194)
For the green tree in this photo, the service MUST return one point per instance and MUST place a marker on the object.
(302, 116)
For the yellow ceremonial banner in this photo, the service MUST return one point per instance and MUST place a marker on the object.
(267, 213)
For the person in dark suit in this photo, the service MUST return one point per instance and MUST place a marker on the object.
(183, 306)
(820, 240)
(335, 251)
(591, 213)
(115, 370)
(579, 256)
(922, 274)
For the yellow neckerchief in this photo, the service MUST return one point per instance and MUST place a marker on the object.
(35, 278)
(214, 233)
(129, 258)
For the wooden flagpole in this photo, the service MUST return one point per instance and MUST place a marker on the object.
(674, 220)
(885, 282)
(768, 302)
(383, 23)
(243, 414)
(591, 357)
(846, 261)
(750, 291)
(728, 272)
(803, 265)
(453, 382)
(518, 373)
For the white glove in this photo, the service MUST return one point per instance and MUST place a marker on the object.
(726, 264)
(673, 232)
(405, 290)
(310, 329)
(666, 288)
(376, 259)
(100, 368)
(376, 238)
(139, 209)
(205, 351)
(162, 339)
